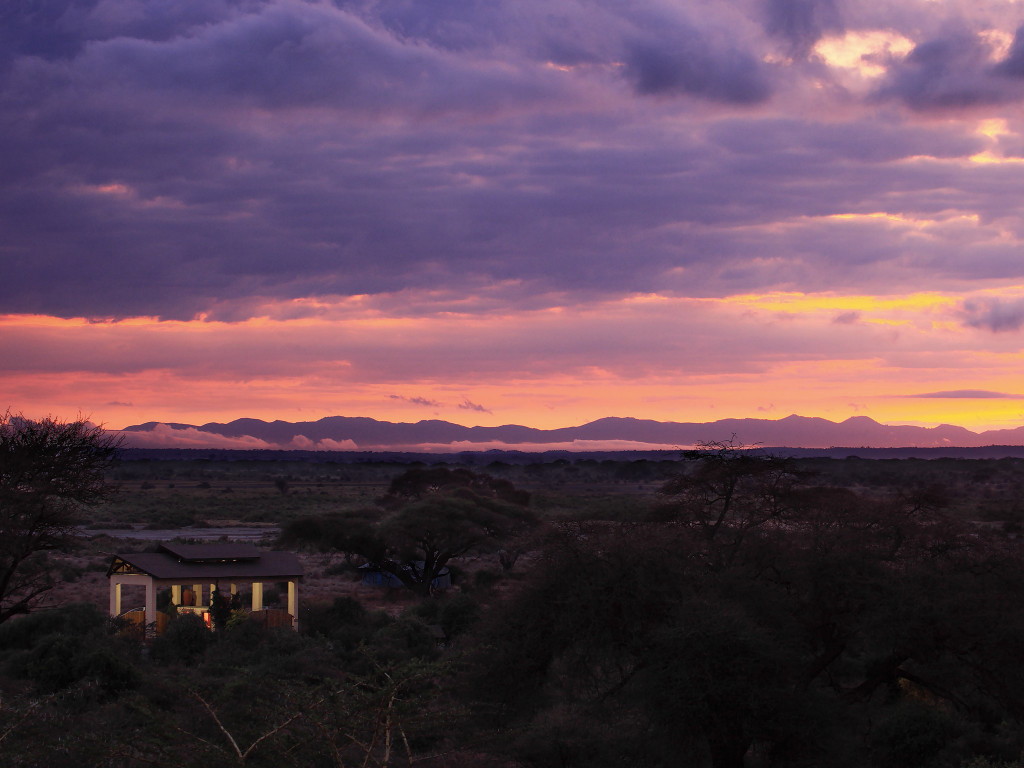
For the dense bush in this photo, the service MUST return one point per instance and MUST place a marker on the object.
(184, 641)
(800, 625)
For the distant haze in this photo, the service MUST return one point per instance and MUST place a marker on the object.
(340, 433)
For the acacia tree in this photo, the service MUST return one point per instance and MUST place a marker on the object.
(727, 490)
(450, 515)
(423, 537)
(49, 470)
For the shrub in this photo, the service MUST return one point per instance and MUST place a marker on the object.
(486, 579)
(76, 652)
(185, 640)
(458, 614)
(912, 734)
(74, 619)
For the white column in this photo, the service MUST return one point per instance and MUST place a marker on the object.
(257, 595)
(197, 590)
(115, 597)
(293, 602)
(150, 601)
(176, 594)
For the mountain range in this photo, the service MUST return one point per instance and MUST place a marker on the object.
(362, 433)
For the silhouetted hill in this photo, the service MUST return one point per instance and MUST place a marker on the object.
(362, 433)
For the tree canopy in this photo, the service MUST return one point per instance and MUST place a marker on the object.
(49, 470)
(433, 516)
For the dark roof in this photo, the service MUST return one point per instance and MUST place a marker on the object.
(266, 566)
(219, 551)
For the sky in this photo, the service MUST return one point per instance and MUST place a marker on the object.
(539, 212)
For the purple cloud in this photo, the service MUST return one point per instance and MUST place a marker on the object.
(213, 158)
(467, 405)
(686, 65)
(970, 394)
(424, 401)
(949, 72)
(996, 315)
(801, 23)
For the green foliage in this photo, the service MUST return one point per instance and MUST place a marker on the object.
(722, 681)
(486, 579)
(420, 483)
(49, 471)
(57, 662)
(454, 614)
(985, 762)
(72, 646)
(220, 609)
(184, 641)
(414, 541)
(268, 653)
(403, 640)
(851, 625)
(911, 734)
(344, 623)
(73, 620)
(458, 614)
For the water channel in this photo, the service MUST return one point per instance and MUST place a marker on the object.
(247, 533)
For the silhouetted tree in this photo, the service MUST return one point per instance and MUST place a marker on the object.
(415, 541)
(49, 471)
(418, 484)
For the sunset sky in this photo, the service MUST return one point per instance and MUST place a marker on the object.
(512, 211)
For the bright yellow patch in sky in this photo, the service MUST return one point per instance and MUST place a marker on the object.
(656, 356)
(895, 218)
(999, 42)
(820, 302)
(903, 220)
(863, 50)
(990, 158)
(993, 129)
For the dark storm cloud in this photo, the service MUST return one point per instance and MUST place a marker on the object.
(295, 54)
(801, 23)
(214, 156)
(950, 72)
(61, 29)
(684, 65)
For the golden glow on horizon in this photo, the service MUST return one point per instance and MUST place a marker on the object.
(370, 317)
(833, 359)
(806, 303)
(558, 402)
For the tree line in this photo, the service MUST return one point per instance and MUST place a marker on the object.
(753, 617)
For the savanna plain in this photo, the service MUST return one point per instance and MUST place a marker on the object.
(719, 608)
